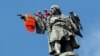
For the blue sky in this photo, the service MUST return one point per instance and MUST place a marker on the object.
(16, 41)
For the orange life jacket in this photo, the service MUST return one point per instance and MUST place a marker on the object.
(30, 23)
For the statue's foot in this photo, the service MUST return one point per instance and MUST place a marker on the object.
(78, 46)
(53, 52)
(56, 54)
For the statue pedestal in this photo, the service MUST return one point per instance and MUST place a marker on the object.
(69, 54)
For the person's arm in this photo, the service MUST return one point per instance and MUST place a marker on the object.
(21, 16)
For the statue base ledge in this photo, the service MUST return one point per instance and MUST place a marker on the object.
(69, 54)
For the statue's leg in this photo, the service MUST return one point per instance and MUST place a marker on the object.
(66, 48)
(51, 45)
(55, 38)
(57, 47)
(51, 48)
(74, 42)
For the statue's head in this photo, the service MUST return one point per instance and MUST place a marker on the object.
(55, 10)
